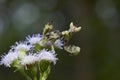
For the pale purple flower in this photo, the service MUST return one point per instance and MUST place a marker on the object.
(9, 58)
(35, 39)
(47, 55)
(21, 46)
(29, 59)
(59, 44)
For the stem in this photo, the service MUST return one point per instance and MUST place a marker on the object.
(35, 78)
(41, 77)
(30, 73)
(52, 47)
(24, 74)
(44, 75)
(38, 72)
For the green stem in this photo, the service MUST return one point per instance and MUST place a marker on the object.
(24, 74)
(52, 47)
(42, 77)
(35, 78)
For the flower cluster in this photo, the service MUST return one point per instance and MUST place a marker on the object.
(24, 53)
(39, 51)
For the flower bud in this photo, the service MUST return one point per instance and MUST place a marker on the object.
(47, 28)
(73, 28)
(72, 49)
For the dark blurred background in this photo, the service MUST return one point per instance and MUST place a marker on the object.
(99, 38)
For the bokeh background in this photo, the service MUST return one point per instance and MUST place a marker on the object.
(99, 38)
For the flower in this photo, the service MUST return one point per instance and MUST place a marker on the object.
(34, 39)
(58, 43)
(8, 59)
(47, 55)
(21, 46)
(29, 59)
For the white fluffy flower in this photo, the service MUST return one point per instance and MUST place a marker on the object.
(34, 39)
(29, 59)
(8, 59)
(47, 55)
(21, 46)
(58, 43)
